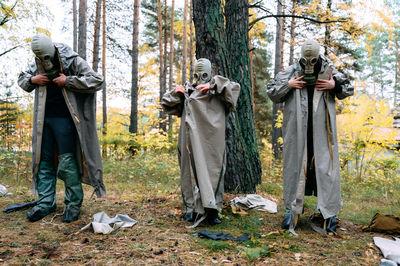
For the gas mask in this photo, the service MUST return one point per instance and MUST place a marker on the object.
(309, 57)
(44, 49)
(202, 71)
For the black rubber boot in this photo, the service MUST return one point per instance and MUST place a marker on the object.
(212, 217)
(69, 172)
(46, 187)
(287, 218)
(331, 224)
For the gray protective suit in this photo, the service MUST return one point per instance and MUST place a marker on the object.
(324, 139)
(79, 94)
(201, 144)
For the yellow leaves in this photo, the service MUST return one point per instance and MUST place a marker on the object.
(43, 31)
(279, 119)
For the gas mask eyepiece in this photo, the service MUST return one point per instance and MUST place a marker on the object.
(202, 71)
(44, 49)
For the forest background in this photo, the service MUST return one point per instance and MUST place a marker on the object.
(144, 48)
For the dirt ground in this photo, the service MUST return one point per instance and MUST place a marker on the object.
(160, 237)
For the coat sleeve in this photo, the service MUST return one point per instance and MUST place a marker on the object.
(227, 90)
(24, 77)
(343, 87)
(82, 78)
(172, 102)
(278, 88)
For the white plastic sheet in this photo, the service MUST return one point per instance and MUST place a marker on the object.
(254, 201)
(103, 224)
(390, 248)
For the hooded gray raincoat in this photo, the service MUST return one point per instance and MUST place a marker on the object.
(294, 129)
(80, 96)
(201, 143)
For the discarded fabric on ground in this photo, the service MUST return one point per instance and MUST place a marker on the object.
(103, 224)
(20, 206)
(390, 248)
(3, 191)
(254, 201)
(224, 236)
(382, 223)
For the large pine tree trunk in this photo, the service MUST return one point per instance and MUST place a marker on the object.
(135, 65)
(228, 50)
(82, 28)
(75, 26)
(277, 132)
(243, 170)
(96, 41)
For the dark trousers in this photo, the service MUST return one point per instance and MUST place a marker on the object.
(58, 131)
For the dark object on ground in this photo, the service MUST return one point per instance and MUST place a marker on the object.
(37, 213)
(224, 236)
(388, 224)
(20, 206)
(70, 215)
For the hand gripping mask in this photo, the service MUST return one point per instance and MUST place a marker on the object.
(44, 49)
(309, 57)
(202, 71)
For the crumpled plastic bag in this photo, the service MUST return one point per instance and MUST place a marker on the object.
(4, 191)
(254, 201)
(390, 248)
(103, 224)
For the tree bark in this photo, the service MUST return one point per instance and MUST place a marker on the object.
(135, 65)
(191, 54)
(163, 124)
(327, 39)
(185, 11)
(82, 38)
(96, 38)
(104, 92)
(283, 31)
(292, 33)
(277, 132)
(75, 26)
(171, 60)
(228, 50)
(161, 59)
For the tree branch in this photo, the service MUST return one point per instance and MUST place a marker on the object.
(9, 50)
(296, 16)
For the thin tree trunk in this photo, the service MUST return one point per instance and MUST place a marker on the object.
(75, 26)
(163, 124)
(283, 31)
(104, 94)
(277, 132)
(328, 30)
(191, 54)
(397, 73)
(135, 65)
(82, 38)
(292, 33)
(161, 59)
(171, 60)
(96, 40)
(185, 11)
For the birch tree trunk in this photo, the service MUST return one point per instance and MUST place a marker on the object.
(103, 67)
(75, 26)
(96, 38)
(185, 9)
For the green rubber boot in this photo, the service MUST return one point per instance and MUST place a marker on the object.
(69, 172)
(46, 187)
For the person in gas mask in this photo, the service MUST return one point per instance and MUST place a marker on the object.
(203, 107)
(65, 142)
(310, 149)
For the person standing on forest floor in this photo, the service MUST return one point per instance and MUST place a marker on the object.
(64, 142)
(310, 148)
(203, 108)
